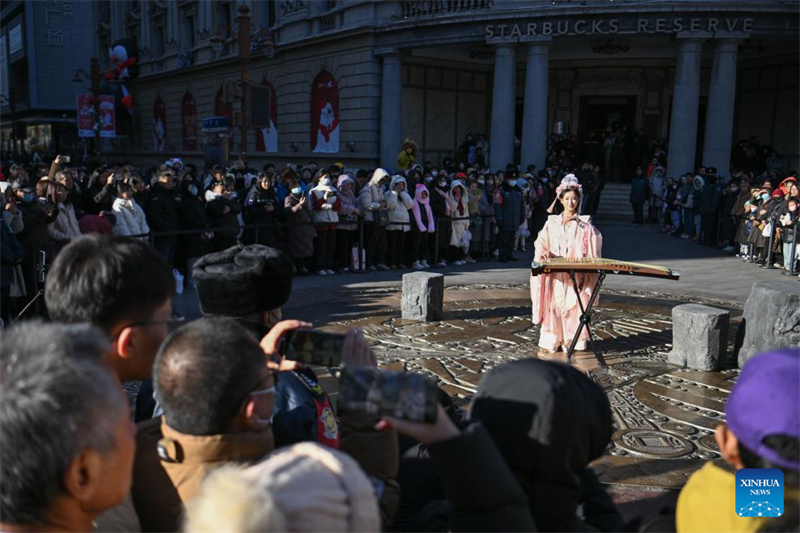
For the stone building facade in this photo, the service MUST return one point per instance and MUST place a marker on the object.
(436, 70)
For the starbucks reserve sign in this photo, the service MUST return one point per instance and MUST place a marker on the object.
(600, 26)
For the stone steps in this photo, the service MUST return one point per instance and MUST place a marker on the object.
(614, 202)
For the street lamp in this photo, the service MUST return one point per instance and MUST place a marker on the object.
(94, 78)
(244, 58)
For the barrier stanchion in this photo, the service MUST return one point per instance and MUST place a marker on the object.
(768, 262)
(793, 249)
(361, 254)
(436, 241)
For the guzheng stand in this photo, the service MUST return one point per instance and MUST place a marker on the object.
(586, 317)
(601, 267)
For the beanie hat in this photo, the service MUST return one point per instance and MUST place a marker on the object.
(306, 487)
(243, 280)
(765, 401)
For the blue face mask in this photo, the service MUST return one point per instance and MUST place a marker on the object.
(193, 190)
(429, 179)
(513, 183)
(765, 197)
(28, 197)
(297, 190)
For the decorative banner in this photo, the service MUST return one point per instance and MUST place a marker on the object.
(325, 114)
(189, 122)
(85, 116)
(106, 124)
(267, 139)
(160, 124)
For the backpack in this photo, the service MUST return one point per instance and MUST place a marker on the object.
(303, 411)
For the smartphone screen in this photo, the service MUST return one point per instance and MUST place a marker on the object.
(314, 347)
(397, 394)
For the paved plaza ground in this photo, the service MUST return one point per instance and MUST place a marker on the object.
(663, 416)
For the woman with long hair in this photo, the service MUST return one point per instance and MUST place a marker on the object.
(568, 236)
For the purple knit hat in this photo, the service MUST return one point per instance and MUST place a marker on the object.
(766, 401)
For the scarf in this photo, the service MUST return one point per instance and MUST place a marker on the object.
(418, 200)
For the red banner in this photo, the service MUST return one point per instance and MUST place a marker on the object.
(105, 123)
(325, 114)
(85, 115)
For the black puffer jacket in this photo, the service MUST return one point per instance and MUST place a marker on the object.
(162, 213)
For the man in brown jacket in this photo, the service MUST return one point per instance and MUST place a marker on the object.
(218, 397)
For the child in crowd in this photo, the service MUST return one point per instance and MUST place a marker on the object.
(762, 431)
(423, 228)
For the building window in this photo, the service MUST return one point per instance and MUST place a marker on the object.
(187, 33)
(266, 13)
(158, 41)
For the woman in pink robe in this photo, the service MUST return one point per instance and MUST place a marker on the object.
(571, 236)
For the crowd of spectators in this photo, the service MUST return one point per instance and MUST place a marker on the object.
(751, 214)
(328, 220)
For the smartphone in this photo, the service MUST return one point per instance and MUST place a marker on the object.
(314, 347)
(66, 159)
(398, 394)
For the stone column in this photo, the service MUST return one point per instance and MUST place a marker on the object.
(685, 103)
(391, 110)
(205, 17)
(534, 118)
(173, 32)
(501, 143)
(144, 44)
(117, 21)
(719, 114)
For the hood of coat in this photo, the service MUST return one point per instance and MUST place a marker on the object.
(343, 180)
(418, 194)
(549, 421)
(395, 180)
(378, 175)
(458, 183)
(699, 182)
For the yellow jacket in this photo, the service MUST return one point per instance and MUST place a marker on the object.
(707, 503)
(404, 161)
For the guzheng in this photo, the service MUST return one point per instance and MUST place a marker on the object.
(601, 265)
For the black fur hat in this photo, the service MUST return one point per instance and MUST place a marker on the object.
(243, 280)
